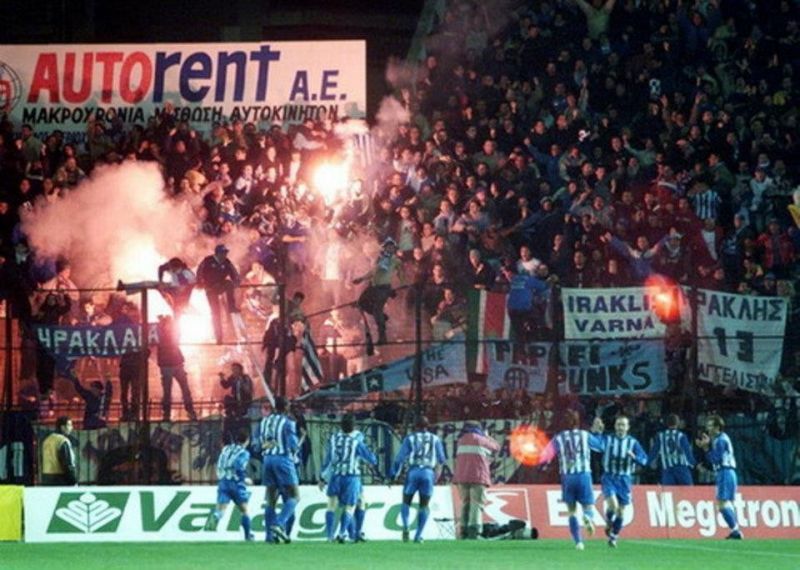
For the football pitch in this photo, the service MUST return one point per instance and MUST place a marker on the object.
(439, 555)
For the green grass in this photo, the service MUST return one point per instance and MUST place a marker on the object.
(442, 555)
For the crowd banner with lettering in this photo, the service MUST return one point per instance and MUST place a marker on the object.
(84, 340)
(740, 340)
(655, 511)
(487, 319)
(442, 364)
(61, 86)
(624, 312)
(612, 368)
(516, 366)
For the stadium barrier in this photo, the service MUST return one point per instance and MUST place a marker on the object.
(138, 514)
(148, 514)
(656, 511)
(10, 512)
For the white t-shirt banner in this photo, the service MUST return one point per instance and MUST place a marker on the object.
(516, 366)
(740, 340)
(624, 312)
(612, 368)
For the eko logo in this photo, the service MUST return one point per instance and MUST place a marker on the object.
(10, 88)
(88, 512)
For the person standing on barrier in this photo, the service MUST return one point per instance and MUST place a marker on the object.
(58, 457)
(472, 476)
(423, 451)
(373, 299)
(673, 452)
(719, 453)
(170, 363)
(217, 275)
(277, 436)
(176, 283)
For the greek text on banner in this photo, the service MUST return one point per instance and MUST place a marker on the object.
(740, 340)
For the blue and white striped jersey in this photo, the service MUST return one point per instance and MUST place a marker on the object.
(232, 463)
(420, 449)
(621, 454)
(277, 435)
(720, 454)
(671, 448)
(574, 449)
(344, 453)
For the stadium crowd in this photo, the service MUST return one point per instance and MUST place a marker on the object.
(576, 144)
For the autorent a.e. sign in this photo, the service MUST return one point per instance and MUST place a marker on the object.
(60, 86)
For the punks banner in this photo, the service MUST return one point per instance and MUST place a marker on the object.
(442, 364)
(61, 86)
(740, 340)
(609, 313)
(516, 366)
(83, 340)
(612, 368)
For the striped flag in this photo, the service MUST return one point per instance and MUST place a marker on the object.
(488, 319)
(312, 375)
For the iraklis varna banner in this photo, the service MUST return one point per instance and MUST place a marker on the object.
(61, 86)
(740, 340)
(625, 312)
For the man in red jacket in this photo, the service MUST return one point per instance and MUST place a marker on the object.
(472, 475)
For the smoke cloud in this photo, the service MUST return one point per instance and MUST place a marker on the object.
(118, 224)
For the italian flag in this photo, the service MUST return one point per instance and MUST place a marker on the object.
(487, 320)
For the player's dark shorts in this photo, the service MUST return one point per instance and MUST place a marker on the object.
(678, 475)
(235, 491)
(577, 488)
(618, 486)
(419, 479)
(346, 488)
(279, 471)
(373, 298)
(726, 484)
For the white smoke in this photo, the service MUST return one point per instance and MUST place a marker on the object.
(118, 224)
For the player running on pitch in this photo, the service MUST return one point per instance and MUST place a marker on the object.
(621, 453)
(342, 472)
(719, 452)
(424, 452)
(573, 447)
(233, 481)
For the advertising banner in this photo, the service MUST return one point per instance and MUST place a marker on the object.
(623, 312)
(10, 512)
(61, 86)
(139, 514)
(740, 340)
(655, 512)
(612, 368)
